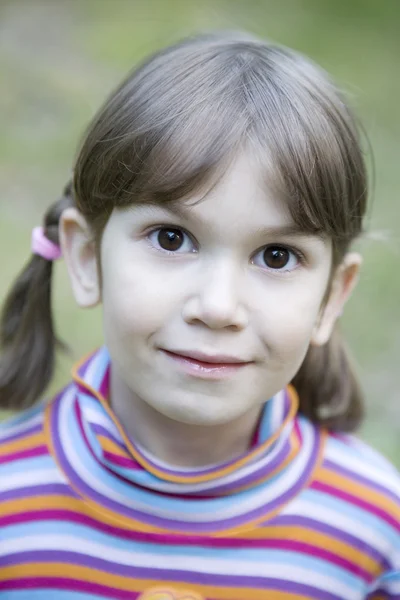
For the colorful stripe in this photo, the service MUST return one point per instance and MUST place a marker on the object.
(82, 517)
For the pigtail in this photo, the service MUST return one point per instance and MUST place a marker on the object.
(328, 388)
(27, 338)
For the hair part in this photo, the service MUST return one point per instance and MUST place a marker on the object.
(170, 131)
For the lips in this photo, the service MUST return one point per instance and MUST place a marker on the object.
(208, 360)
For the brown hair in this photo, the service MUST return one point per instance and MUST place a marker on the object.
(171, 129)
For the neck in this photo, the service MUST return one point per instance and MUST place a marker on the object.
(180, 444)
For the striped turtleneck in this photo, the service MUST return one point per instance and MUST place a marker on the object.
(85, 513)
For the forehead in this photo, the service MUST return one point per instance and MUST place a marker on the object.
(244, 205)
(242, 197)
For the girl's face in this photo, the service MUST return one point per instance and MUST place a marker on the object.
(228, 281)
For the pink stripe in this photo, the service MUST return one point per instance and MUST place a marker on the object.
(376, 487)
(29, 453)
(122, 461)
(26, 432)
(320, 553)
(62, 583)
(297, 430)
(379, 512)
(105, 384)
(183, 540)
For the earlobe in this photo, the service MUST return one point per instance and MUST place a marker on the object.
(79, 252)
(343, 284)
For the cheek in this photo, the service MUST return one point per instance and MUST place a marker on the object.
(134, 302)
(289, 324)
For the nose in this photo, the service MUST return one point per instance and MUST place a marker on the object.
(217, 301)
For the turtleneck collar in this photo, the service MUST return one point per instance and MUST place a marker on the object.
(108, 468)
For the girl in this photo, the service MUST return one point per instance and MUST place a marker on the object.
(202, 452)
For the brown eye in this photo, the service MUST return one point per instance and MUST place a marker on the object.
(276, 257)
(170, 239)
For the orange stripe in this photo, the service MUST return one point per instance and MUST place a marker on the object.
(295, 447)
(86, 508)
(77, 572)
(195, 478)
(301, 534)
(359, 490)
(38, 503)
(318, 540)
(112, 447)
(24, 443)
(71, 571)
(130, 523)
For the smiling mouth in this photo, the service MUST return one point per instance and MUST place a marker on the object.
(202, 365)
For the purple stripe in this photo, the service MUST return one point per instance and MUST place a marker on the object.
(83, 369)
(62, 583)
(360, 479)
(198, 472)
(75, 559)
(84, 366)
(338, 534)
(117, 463)
(258, 475)
(170, 577)
(251, 478)
(208, 471)
(59, 489)
(172, 523)
(34, 429)
(382, 594)
(32, 452)
(100, 430)
(115, 568)
(185, 526)
(357, 501)
(272, 584)
(229, 545)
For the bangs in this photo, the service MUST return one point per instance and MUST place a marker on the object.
(173, 128)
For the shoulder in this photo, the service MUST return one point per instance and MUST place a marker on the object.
(358, 463)
(25, 460)
(363, 489)
(15, 430)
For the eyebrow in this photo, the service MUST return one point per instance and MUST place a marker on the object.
(291, 229)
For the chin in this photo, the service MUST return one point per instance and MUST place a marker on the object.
(194, 417)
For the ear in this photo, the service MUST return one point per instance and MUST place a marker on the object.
(344, 282)
(79, 252)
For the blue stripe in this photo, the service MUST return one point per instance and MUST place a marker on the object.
(248, 555)
(174, 505)
(365, 456)
(82, 532)
(353, 512)
(265, 421)
(20, 419)
(46, 594)
(27, 465)
(102, 359)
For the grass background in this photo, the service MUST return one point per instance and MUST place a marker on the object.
(60, 58)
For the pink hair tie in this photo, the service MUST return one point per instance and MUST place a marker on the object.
(42, 246)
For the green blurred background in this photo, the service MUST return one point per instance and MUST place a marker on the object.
(58, 60)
